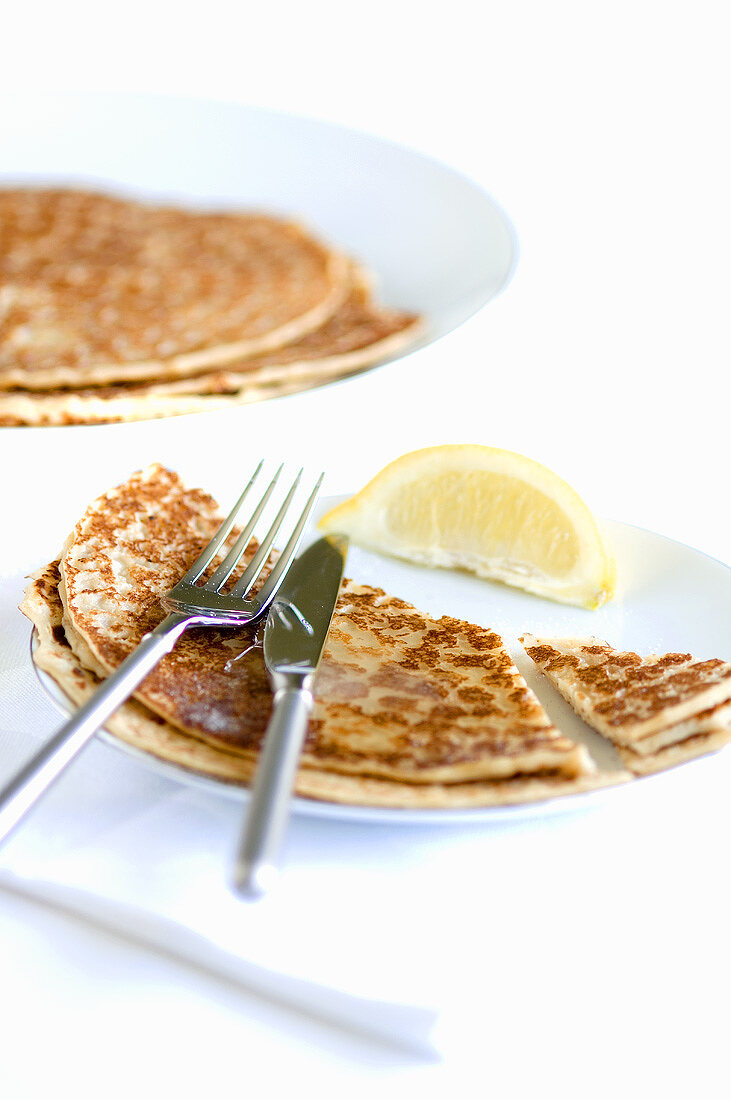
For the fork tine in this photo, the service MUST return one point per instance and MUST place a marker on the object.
(229, 563)
(245, 583)
(275, 578)
(200, 565)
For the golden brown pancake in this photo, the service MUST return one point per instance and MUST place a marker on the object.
(96, 289)
(658, 710)
(138, 726)
(24, 409)
(360, 334)
(670, 756)
(399, 694)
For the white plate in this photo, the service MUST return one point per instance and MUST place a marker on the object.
(437, 242)
(670, 598)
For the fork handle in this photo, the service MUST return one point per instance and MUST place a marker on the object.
(35, 777)
(268, 812)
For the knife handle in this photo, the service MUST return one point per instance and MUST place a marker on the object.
(268, 812)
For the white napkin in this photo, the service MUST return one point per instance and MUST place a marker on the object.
(404, 933)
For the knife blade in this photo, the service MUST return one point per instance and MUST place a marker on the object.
(295, 633)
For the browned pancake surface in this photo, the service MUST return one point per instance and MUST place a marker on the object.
(629, 698)
(399, 694)
(141, 728)
(360, 334)
(353, 335)
(95, 288)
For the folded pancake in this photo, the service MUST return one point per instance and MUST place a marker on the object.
(658, 710)
(97, 289)
(360, 334)
(399, 694)
(143, 729)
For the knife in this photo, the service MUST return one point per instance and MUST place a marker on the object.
(294, 637)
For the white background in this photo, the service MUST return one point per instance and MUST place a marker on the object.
(603, 132)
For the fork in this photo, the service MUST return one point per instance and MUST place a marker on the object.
(188, 604)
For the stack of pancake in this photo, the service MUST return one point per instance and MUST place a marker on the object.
(659, 710)
(411, 711)
(112, 310)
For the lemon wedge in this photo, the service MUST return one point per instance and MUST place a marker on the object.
(489, 511)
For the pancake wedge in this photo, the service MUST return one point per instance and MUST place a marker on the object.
(146, 731)
(658, 709)
(400, 694)
(98, 289)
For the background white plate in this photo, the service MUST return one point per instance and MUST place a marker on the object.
(437, 242)
(670, 598)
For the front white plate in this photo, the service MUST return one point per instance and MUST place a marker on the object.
(670, 598)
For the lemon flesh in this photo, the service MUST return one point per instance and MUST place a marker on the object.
(492, 512)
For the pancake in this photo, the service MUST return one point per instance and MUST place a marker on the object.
(22, 410)
(670, 756)
(399, 694)
(647, 706)
(360, 334)
(96, 289)
(705, 721)
(138, 726)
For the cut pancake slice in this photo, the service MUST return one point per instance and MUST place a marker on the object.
(670, 756)
(400, 695)
(412, 697)
(143, 729)
(98, 289)
(658, 710)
